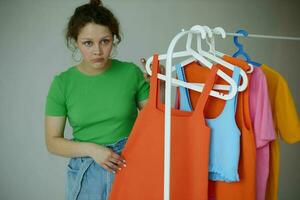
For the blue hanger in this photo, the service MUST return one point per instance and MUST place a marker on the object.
(241, 49)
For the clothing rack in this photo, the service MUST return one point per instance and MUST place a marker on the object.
(265, 36)
(168, 78)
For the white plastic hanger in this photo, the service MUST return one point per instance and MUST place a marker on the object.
(212, 45)
(212, 49)
(232, 87)
(213, 53)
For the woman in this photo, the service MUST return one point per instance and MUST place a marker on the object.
(100, 97)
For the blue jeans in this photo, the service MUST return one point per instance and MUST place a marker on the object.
(87, 180)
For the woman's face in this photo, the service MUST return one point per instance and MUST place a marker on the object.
(95, 43)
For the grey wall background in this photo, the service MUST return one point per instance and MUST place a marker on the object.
(33, 51)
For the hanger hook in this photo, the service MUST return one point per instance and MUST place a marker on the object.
(208, 31)
(219, 31)
(200, 34)
(200, 30)
(235, 38)
(240, 46)
(210, 39)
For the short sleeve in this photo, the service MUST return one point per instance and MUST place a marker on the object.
(55, 102)
(260, 109)
(143, 86)
(286, 116)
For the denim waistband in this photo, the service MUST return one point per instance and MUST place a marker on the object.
(117, 146)
(83, 164)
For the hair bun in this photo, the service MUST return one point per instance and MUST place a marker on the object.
(96, 2)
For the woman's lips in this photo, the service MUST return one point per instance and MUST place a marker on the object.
(97, 60)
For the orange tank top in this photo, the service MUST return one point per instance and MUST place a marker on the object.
(143, 178)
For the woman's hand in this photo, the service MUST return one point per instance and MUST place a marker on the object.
(146, 75)
(107, 158)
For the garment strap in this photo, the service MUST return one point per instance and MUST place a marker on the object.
(202, 100)
(185, 103)
(154, 82)
(231, 104)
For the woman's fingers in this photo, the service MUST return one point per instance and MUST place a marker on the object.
(117, 156)
(118, 162)
(143, 61)
(146, 75)
(108, 168)
(162, 69)
(115, 162)
(112, 166)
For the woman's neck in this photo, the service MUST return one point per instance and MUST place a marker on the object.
(88, 69)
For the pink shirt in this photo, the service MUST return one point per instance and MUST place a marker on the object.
(264, 132)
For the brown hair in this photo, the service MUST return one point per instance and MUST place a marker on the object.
(93, 12)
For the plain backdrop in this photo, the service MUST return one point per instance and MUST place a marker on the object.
(33, 50)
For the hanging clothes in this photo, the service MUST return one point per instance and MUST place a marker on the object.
(144, 151)
(286, 122)
(263, 128)
(245, 188)
(225, 135)
(225, 141)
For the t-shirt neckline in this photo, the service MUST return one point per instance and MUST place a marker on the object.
(96, 75)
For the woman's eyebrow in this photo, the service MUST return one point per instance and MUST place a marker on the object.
(86, 38)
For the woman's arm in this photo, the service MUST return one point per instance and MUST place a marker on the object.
(58, 145)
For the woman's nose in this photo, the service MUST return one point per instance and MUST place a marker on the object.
(98, 50)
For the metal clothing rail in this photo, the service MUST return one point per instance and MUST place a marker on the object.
(265, 36)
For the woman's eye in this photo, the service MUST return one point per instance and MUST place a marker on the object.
(88, 43)
(105, 41)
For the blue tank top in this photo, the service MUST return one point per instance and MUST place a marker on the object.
(225, 135)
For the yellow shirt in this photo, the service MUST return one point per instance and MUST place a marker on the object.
(286, 122)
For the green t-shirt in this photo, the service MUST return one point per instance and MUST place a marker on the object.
(101, 108)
